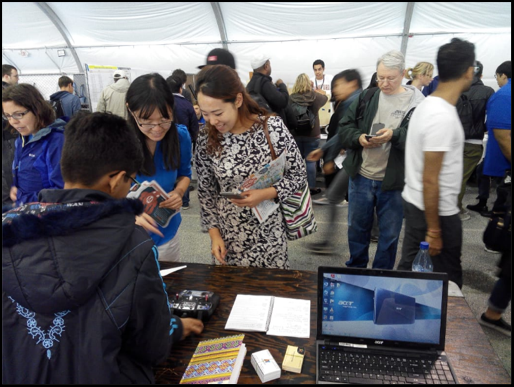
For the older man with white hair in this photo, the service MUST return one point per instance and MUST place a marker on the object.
(112, 99)
(374, 132)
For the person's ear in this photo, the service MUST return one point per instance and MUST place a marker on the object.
(115, 182)
(470, 74)
(239, 100)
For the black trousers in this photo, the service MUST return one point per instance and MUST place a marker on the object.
(448, 261)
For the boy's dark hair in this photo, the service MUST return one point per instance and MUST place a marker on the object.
(30, 98)
(454, 59)
(64, 81)
(96, 144)
(348, 75)
(175, 83)
(505, 68)
(181, 75)
(318, 62)
(6, 69)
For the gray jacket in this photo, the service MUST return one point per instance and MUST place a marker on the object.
(112, 99)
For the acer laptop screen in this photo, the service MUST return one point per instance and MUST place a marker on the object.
(375, 306)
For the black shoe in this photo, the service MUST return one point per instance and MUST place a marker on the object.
(315, 191)
(498, 325)
(321, 248)
(191, 188)
(479, 207)
(487, 214)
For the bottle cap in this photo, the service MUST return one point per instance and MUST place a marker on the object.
(424, 245)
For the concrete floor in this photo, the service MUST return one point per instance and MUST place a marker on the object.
(479, 266)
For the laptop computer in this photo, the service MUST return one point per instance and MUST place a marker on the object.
(381, 327)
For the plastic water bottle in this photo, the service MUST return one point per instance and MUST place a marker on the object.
(422, 262)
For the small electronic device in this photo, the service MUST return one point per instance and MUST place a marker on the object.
(374, 129)
(198, 304)
(293, 359)
(232, 195)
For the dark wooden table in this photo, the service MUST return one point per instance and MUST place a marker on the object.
(469, 350)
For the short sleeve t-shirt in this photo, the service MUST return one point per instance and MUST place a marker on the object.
(434, 127)
(391, 111)
(499, 116)
(323, 84)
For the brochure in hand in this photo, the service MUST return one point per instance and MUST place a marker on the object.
(152, 194)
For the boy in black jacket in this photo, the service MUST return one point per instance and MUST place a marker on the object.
(82, 298)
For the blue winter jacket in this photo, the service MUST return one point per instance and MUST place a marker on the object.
(70, 103)
(36, 162)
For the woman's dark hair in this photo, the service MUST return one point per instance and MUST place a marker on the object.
(373, 82)
(349, 76)
(96, 144)
(147, 93)
(30, 98)
(222, 82)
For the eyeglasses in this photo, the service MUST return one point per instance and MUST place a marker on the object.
(126, 176)
(16, 116)
(390, 80)
(496, 76)
(146, 127)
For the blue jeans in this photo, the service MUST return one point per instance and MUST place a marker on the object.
(185, 198)
(363, 196)
(306, 146)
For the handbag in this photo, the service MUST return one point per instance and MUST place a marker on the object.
(297, 209)
(498, 233)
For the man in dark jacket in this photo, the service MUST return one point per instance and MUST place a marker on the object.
(70, 102)
(82, 298)
(276, 94)
(471, 108)
(376, 165)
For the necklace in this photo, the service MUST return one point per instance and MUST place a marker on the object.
(316, 81)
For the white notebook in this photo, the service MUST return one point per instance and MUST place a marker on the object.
(276, 316)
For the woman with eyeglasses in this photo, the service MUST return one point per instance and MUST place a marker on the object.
(167, 154)
(38, 148)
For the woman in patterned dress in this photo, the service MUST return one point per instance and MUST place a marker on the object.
(231, 148)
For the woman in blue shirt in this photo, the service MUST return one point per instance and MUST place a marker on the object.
(167, 154)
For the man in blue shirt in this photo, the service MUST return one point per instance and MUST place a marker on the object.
(498, 153)
(69, 101)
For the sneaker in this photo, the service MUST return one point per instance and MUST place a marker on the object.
(320, 247)
(489, 250)
(315, 191)
(498, 325)
(185, 207)
(344, 203)
(464, 215)
(477, 207)
(487, 214)
(322, 200)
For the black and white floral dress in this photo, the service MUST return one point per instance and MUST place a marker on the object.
(248, 242)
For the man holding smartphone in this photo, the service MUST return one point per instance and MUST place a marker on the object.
(375, 163)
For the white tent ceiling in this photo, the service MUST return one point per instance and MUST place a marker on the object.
(164, 36)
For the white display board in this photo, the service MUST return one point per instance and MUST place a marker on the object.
(98, 78)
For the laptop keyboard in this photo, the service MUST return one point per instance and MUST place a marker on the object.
(348, 365)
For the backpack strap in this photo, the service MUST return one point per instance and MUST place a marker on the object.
(363, 100)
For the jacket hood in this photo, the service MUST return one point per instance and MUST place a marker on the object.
(305, 99)
(121, 86)
(417, 97)
(58, 95)
(56, 252)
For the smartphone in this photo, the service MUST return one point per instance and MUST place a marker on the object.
(375, 128)
(232, 195)
(369, 137)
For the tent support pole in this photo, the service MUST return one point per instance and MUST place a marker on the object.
(221, 23)
(62, 29)
(406, 26)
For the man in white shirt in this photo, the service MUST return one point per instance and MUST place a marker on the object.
(322, 83)
(434, 165)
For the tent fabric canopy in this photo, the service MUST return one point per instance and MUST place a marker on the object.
(164, 36)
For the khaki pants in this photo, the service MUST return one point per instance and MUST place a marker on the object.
(472, 155)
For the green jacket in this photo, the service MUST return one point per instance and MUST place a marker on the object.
(350, 129)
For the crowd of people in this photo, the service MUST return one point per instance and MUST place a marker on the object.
(82, 261)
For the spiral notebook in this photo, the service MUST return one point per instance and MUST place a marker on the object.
(217, 361)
